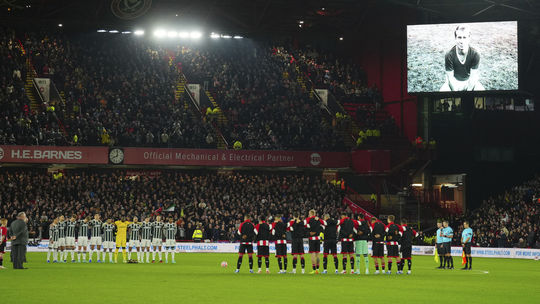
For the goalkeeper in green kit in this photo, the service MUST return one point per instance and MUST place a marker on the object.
(361, 238)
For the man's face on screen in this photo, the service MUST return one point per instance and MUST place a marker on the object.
(463, 38)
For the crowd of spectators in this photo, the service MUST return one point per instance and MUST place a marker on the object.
(260, 95)
(511, 219)
(216, 202)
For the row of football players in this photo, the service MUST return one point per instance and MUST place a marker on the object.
(353, 235)
(91, 235)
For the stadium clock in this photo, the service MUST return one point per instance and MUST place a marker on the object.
(116, 156)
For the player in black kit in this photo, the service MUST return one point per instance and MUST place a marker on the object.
(279, 232)
(393, 233)
(346, 233)
(330, 242)
(296, 226)
(407, 236)
(246, 232)
(262, 230)
(377, 236)
(314, 226)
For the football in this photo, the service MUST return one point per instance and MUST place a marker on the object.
(224, 264)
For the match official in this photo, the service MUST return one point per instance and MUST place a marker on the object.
(466, 239)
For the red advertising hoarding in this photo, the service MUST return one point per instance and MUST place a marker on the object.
(54, 155)
(243, 158)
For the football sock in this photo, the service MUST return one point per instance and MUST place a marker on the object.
(129, 255)
(344, 263)
(451, 261)
(325, 262)
(104, 253)
(352, 263)
(409, 264)
(267, 262)
(382, 265)
(166, 253)
(376, 266)
(153, 255)
(159, 254)
(48, 255)
(110, 256)
(358, 262)
(72, 254)
(390, 265)
(280, 264)
(55, 255)
(78, 256)
(294, 261)
(470, 262)
(303, 262)
(336, 262)
(239, 263)
(366, 261)
(84, 255)
(259, 262)
(2, 261)
(116, 254)
(285, 263)
(441, 261)
(172, 254)
(250, 262)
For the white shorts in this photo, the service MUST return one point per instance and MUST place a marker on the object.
(134, 243)
(61, 242)
(95, 241)
(70, 242)
(82, 242)
(170, 243)
(145, 243)
(109, 245)
(157, 242)
(54, 245)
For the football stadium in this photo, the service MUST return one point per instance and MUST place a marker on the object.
(264, 151)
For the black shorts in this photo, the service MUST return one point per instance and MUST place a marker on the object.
(314, 246)
(263, 251)
(447, 248)
(347, 247)
(330, 247)
(378, 250)
(245, 248)
(297, 247)
(440, 249)
(281, 250)
(2, 247)
(467, 248)
(392, 251)
(406, 252)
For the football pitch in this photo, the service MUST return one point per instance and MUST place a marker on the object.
(199, 278)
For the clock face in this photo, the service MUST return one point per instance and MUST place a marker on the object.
(116, 156)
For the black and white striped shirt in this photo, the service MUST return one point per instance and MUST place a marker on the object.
(83, 229)
(158, 229)
(108, 232)
(170, 231)
(146, 231)
(70, 229)
(96, 228)
(134, 231)
(53, 233)
(61, 229)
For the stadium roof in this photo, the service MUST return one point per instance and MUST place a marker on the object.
(252, 16)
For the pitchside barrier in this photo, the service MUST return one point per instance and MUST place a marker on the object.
(483, 252)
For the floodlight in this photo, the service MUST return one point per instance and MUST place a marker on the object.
(195, 35)
(139, 32)
(160, 33)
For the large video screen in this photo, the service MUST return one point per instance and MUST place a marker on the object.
(462, 57)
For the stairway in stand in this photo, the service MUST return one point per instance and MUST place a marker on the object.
(222, 120)
(35, 104)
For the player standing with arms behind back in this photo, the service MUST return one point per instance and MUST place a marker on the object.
(279, 231)
(95, 238)
(466, 239)
(170, 239)
(330, 242)
(296, 226)
(108, 239)
(439, 244)
(392, 237)
(377, 235)
(346, 233)
(407, 236)
(71, 225)
(246, 230)
(314, 225)
(121, 235)
(262, 231)
(361, 242)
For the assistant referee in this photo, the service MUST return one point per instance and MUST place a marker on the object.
(466, 239)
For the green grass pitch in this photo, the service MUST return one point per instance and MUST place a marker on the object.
(199, 278)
